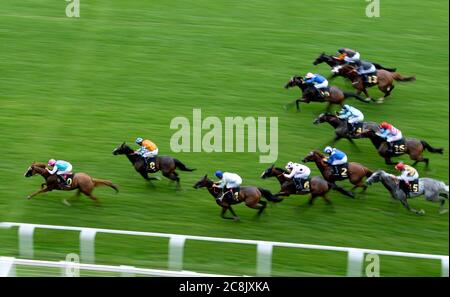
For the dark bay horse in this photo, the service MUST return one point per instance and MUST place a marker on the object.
(81, 181)
(434, 190)
(341, 128)
(309, 93)
(167, 165)
(318, 187)
(384, 80)
(251, 196)
(355, 173)
(413, 147)
(334, 61)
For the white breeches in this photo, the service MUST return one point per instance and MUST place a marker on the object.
(233, 185)
(339, 162)
(396, 137)
(356, 119)
(354, 58)
(370, 70)
(150, 153)
(321, 85)
(302, 175)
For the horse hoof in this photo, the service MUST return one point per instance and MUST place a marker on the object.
(381, 100)
(66, 202)
(28, 197)
(236, 219)
(421, 212)
(443, 211)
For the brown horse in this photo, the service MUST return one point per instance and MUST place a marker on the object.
(248, 194)
(413, 147)
(317, 187)
(167, 165)
(309, 93)
(355, 172)
(81, 181)
(383, 79)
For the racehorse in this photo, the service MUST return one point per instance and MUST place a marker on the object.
(80, 181)
(334, 61)
(341, 128)
(355, 171)
(248, 194)
(309, 93)
(434, 190)
(167, 165)
(413, 147)
(383, 79)
(317, 186)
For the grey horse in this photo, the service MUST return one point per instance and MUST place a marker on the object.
(434, 190)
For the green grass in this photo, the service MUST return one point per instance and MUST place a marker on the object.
(76, 88)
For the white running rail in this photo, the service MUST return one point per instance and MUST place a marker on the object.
(177, 241)
(8, 268)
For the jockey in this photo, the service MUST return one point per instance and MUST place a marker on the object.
(320, 82)
(390, 133)
(336, 158)
(348, 55)
(408, 174)
(298, 173)
(148, 148)
(61, 168)
(352, 115)
(364, 68)
(231, 182)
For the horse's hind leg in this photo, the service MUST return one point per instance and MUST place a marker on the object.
(311, 200)
(174, 177)
(328, 201)
(406, 205)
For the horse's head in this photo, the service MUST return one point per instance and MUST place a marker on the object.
(203, 182)
(322, 118)
(294, 81)
(375, 177)
(34, 168)
(320, 59)
(269, 172)
(122, 149)
(313, 156)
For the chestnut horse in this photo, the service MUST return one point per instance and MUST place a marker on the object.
(167, 165)
(413, 147)
(81, 181)
(309, 93)
(384, 80)
(318, 187)
(355, 173)
(248, 194)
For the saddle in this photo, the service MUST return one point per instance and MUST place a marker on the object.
(150, 164)
(340, 171)
(398, 147)
(302, 185)
(231, 195)
(65, 180)
(324, 92)
(357, 128)
(412, 188)
(370, 79)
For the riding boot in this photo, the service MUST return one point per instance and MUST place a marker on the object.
(350, 128)
(298, 184)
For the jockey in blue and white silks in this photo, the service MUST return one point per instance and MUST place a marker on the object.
(230, 181)
(352, 115)
(319, 82)
(336, 157)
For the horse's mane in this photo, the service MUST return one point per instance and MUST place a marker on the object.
(39, 164)
(280, 169)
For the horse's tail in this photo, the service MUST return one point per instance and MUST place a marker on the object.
(269, 196)
(378, 66)
(354, 95)
(181, 166)
(431, 149)
(104, 182)
(341, 190)
(398, 77)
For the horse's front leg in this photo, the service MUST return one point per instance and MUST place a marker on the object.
(406, 205)
(46, 189)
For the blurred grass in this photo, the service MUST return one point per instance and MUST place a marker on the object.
(76, 88)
